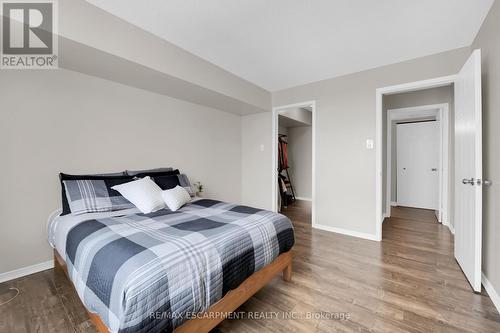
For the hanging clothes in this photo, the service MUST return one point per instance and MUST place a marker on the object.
(283, 154)
(282, 185)
(284, 181)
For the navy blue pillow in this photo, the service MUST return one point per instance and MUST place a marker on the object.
(157, 174)
(166, 182)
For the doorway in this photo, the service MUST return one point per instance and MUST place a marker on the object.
(467, 167)
(418, 155)
(293, 158)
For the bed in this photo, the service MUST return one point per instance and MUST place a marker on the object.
(182, 271)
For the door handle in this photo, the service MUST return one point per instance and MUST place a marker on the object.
(434, 169)
(468, 181)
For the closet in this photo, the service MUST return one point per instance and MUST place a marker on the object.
(285, 185)
(294, 156)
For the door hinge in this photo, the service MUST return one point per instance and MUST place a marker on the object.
(484, 182)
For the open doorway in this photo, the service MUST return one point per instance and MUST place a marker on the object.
(467, 182)
(293, 156)
(418, 156)
(418, 153)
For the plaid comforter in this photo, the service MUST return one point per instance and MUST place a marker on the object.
(151, 272)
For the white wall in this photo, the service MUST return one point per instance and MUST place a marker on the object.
(345, 118)
(489, 42)
(300, 160)
(58, 120)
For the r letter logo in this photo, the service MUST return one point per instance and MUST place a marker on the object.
(29, 37)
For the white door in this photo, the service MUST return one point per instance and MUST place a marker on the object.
(468, 170)
(418, 149)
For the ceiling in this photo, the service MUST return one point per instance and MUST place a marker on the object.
(284, 43)
(286, 122)
(295, 117)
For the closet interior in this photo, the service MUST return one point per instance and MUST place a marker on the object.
(294, 155)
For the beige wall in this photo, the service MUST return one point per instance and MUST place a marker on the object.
(345, 118)
(256, 160)
(488, 41)
(53, 121)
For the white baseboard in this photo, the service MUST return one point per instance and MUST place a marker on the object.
(451, 228)
(394, 204)
(303, 199)
(495, 298)
(345, 232)
(7, 276)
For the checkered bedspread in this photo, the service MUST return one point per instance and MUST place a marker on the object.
(152, 272)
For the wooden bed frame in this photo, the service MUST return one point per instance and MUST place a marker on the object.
(229, 303)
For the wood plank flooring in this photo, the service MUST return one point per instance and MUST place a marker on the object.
(409, 282)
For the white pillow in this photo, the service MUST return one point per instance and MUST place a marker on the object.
(176, 198)
(143, 193)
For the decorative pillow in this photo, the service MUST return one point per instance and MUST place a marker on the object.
(176, 198)
(147, 172)
(63, 176)
(143, 193)
(168, 183)
(94, 194)
(184, 182)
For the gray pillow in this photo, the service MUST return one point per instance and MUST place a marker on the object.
(95, 195)
(186, 183)
(136, 172)
(62, 176)
(113, 174)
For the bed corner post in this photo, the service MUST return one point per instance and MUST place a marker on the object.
(287, 271)
(59, 262)
(56, 262)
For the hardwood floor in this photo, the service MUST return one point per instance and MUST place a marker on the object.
(409, 282)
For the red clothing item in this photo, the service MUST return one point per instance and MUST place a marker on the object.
(283, 155)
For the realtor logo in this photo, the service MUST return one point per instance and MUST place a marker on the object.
(29, 39)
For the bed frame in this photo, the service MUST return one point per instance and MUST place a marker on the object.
(229, 303)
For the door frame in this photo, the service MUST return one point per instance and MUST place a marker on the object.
(274, 151)
(442, 114)
(379, 94)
